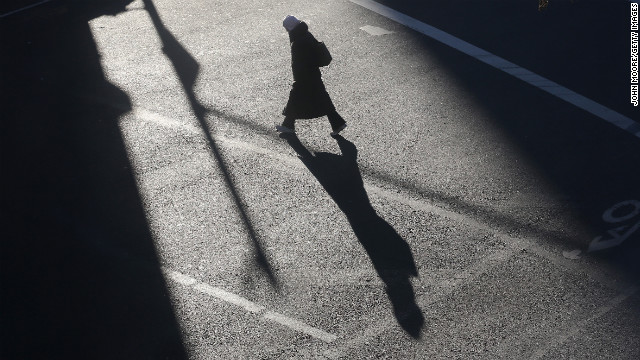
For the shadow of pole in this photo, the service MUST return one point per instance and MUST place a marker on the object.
(187, 69)
(391, 256)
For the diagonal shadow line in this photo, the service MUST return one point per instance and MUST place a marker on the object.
(187, 69)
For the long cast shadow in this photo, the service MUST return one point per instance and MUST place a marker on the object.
(391, 256)
(187, 69)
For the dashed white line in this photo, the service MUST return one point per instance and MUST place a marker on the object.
(249, 306)
(231, 298)
(180, 278)
(420, 205)
(497, 62)
(299, 326)
(446, 287)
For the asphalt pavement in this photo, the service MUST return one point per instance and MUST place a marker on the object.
(151, 211)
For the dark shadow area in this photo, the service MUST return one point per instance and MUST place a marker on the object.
(80, 275)
(580, 44)
(391, 256)
(187, 69)
(9, 8)
(593, 164)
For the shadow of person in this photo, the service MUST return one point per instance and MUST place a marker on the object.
(391, 256)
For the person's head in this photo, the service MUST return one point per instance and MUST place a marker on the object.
(290, 22)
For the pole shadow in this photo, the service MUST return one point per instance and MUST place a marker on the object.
(391, 256)
(187, 69)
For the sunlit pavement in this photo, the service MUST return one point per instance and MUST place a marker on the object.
(453, 220)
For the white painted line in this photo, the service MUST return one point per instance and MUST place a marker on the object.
(514, 242)
(150, 116)
(248, 305)
(497, 62)
(24, 8)
(582, 325)
(229, 297)
(441, 291)
(299, 326)
(444, 288)
(419, 205)
(174, 124)
(181, 278)
(375, 31)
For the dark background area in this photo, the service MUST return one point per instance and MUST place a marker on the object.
(583, 45)
(79, 272)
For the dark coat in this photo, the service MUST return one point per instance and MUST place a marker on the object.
(308, 98)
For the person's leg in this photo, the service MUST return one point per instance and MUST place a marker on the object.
(337, 122)
(290, 122)
(288, 125)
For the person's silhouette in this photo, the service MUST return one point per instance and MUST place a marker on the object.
(391, 256)
(308, 98)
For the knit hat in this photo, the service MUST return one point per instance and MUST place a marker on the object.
(290, 22)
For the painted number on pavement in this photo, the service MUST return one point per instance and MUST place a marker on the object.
(625, 217)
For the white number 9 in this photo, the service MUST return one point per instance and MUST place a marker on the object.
(618, 234)
(609, 217)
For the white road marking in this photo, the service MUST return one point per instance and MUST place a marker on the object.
(572, 255)
(231, 298)
(375, 31)
(497, 62)
(581, 326)
(443, 289)
(417, 204)
(24, 8)
(446, 287)
(299, 326)
(248, 305)
(514, 242)
(180, 278)
(150, 116)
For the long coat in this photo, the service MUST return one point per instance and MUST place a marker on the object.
(308, 98)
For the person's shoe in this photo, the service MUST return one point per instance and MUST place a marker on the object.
(285, 130)
(337, 131)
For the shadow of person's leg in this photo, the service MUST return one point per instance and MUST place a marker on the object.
(405, 308)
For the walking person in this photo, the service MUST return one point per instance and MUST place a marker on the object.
(308, 98)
